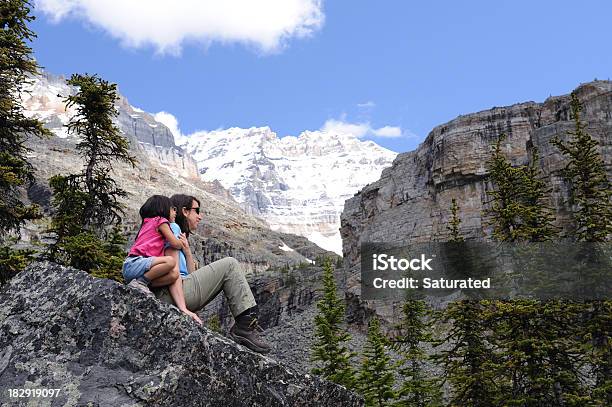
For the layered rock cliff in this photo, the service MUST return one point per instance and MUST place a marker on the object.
(44, 99)
(101, 343)
(411, 201)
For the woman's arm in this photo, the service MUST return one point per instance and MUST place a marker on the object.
(166, 232)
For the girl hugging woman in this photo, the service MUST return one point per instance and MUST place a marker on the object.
(152, 260)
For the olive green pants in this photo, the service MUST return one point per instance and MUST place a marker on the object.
(203, 285)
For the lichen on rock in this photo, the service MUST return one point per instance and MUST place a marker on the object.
(104, 344)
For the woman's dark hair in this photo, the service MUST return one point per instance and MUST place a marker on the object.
(157, 205)
(181, 201)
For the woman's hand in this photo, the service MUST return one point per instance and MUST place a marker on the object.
(193, 316)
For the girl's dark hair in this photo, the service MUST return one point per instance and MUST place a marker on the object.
(157, 205)
(181, 201)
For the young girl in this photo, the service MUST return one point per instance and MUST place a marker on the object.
(146, 264)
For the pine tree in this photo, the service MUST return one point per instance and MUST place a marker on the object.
(375, 379)
(12, 262)
(519, 206)
(469, 360)
(590, 194)
(538, 215)
(586, 173)
(114, 250)
(87, 203)
(330, 350)
(469, 364)
(16, 66)
(416, 389)
(597, 336)
(538, 361)
(101, 145)
(454, 223)
(539, 355)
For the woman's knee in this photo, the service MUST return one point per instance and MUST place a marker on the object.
(234, 265)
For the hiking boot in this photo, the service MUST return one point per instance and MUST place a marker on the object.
(245, 333)
(142, 286)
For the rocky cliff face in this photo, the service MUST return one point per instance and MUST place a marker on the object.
(296, 184)
(102, 343)
(411, 201)
(44, 100)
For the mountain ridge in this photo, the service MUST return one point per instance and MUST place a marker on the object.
(297, 184)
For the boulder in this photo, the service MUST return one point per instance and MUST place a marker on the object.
(102, 343)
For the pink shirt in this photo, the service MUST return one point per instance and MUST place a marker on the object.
(149, 242)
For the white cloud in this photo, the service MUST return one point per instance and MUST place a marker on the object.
(366, 105)
(341, 127)
(170, 121)
(388, 131)
(265, 24)
(360, 130)
(334, 126)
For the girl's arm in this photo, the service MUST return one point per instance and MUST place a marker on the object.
(166, 232)
(188, 255)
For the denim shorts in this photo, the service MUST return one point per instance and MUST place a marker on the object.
(135, 267)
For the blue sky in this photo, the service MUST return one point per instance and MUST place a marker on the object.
(394, 65)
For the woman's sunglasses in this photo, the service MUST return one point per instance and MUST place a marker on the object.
(197, 210)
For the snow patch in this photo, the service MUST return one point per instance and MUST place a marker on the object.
(285, 248)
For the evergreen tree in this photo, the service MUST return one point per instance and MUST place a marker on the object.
(16, 66)
(330, 350)
(469, 363)
(101, 145)
(416, 389)
(454, 223)
(375, 379)
(597, 331)
(12, 262)
(539, 355)
(590, 194)
(538, 215)
(114, 249)
(87, 203)
(519, 204)
(586, 173)
(538, 362)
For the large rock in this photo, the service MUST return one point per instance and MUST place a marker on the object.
(105, 344)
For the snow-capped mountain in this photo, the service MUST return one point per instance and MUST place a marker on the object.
(297, 184)
(44, 99)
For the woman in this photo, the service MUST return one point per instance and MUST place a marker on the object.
(202, 285)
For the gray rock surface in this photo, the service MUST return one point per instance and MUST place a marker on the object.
(411, 201)
(104, 344)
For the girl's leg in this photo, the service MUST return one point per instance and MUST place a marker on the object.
(176, 286)
(171, 277)
(160, 267)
